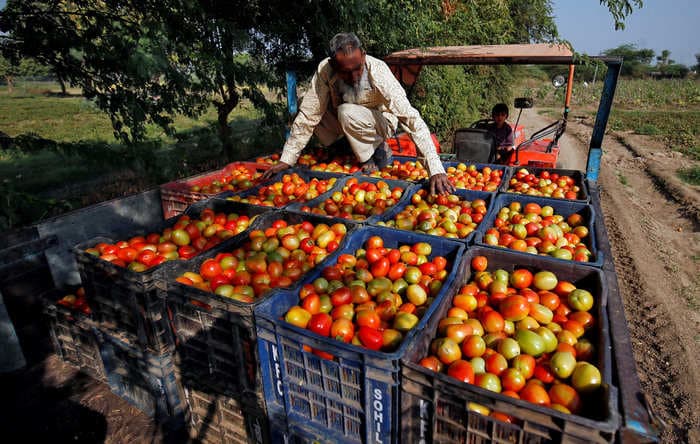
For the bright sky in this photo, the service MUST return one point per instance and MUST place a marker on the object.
(658, 25)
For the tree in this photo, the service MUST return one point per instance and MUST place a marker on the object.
(664, 58)
(25, 67)
(636, 61)
(620, 9)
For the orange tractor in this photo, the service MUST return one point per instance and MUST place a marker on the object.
(475, 143)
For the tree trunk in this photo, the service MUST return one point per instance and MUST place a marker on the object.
(10, 84)
(225, 130)
(63, 85)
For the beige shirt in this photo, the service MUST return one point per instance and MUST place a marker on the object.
(326, 93)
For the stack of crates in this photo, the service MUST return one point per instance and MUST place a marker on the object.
(133, 327)
(216, 351)
(72, 334)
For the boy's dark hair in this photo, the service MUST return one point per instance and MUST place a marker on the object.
(499, 108)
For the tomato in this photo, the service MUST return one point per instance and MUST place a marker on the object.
(371, 338)
(312, 304)
(432, 363)
(525, 364)
(496, 364)
(535, 394)
(368, 318)
(488, 381)
(514, 308)
(473, 346)
(461, 370)
(586, 377)
(209, 269)
(566, 396)
(447, 350)
(521, 278)
(512, 380)
(492, 321)
(320, 323)
(392, 339)
(342, 330)
(346, 311)
(580, 300)
(380, 267)
(374, 242)
(341, 296)
(479, 263)
(298, 316)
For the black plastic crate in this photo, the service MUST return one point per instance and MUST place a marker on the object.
(463, 195)
(436, 406)
(72, 335)
(220, 417)
(578, 176)
(145, 380)
(561, 207)
(215, 337)
(128, 303)
(407, 188)
(353, 397)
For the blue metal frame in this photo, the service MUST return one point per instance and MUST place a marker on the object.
(595, 150)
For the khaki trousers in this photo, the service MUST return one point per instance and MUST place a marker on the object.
(364, 128)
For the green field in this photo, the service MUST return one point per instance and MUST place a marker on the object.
(63, 141)
(668, 110)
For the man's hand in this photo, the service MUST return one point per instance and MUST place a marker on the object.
(440, 184)
(274, 169)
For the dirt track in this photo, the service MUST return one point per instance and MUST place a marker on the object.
(656, 249)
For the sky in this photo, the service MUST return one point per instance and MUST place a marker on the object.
(658, 25)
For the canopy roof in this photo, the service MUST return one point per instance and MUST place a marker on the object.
(537, 53)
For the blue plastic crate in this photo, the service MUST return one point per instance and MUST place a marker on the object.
(304, 173)
(408, 187)
(215, 336)
(561, 207)
(145, 380)
(435, 405)
(354, 397)
(462, 193)
(480, 166)
(578, 176)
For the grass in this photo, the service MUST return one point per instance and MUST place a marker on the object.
(67, 140)
(668, 110)
(690, 175)
(622, 178)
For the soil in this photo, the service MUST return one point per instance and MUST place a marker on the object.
(654, 230)
(653, 224)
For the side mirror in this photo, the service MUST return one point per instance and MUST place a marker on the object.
(523, 103)
(558, 81)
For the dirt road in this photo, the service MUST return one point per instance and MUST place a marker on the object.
(656, 249)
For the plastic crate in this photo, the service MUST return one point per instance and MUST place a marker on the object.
(215, 336)
(578, 176)
(216, 417)
(408, 187)
(354, 397)
(435, 406)
(481, 166)
(402, 160)
(126, 302)
(176, 196)
(462, 193)
(73, 336)
(305, 174)
(561, 207)
(145, 380)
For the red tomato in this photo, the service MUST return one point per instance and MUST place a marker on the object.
(370, 338)
(320, 323)
(461, 370)
(209, 269)
(380, 267)
(343, 330)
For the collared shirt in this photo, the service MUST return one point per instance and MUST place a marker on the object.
(327, 91)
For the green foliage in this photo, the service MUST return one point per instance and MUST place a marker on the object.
(690, 175)
(636, 61)
(620, 9)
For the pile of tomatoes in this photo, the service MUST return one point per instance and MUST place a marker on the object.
(358, 200)
(547, 184)
(536, 229)
(272, 159)
(412, 171)
(270, 258)
(523, 334)
(184, 240)
(238, 178)
(372, 298)
(76, 301)
(292, 188)
(440, 215)
(471, 178)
